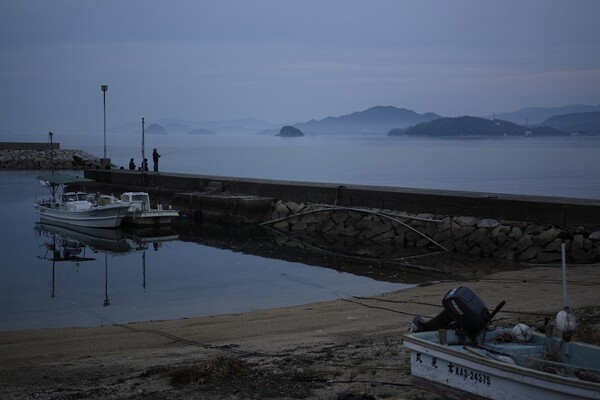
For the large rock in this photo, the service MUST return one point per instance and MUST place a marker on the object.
(464, 231)
(524, 243)
(546, 237)
(555, 245)
(488, 223)
(595, 236)
(501, 230)
(530, 253)
(477, 236)
(516, 233)
(446, 225)
(467, 221)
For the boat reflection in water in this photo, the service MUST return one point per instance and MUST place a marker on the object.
(75, 244)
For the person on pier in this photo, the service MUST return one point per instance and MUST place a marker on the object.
(155, 157)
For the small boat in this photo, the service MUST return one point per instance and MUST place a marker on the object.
(72, 206)
(460, 354)
(140, 213)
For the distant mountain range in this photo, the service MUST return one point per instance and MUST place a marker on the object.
(537, 115)
(583, 123)
(381, 120)
(175, 126)
(375, 120)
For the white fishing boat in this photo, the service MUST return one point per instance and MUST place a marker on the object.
(459, 354)
(72, 206)
(140, 213)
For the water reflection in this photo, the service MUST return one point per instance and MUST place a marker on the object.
(361, 257)
(102, 276)
(75, 244)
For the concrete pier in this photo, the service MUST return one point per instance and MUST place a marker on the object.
(566, 213)
(510, 227)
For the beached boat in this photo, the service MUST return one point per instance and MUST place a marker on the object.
(140, 213)
(72, 206)
(459, 354)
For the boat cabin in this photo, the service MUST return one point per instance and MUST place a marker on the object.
(139, 201)
(75, 201)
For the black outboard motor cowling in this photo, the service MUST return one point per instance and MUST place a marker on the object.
(467, 309)
(462, 308)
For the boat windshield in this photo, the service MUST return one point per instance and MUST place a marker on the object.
(67, 197)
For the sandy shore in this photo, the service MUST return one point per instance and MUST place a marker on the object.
(315, 351)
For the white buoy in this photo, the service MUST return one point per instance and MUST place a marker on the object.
(566, 321)
(522, 332)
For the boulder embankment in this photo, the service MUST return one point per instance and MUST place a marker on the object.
(486, 237)
(41, 156)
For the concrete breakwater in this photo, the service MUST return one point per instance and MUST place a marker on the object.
(39, 156)
(511, 227)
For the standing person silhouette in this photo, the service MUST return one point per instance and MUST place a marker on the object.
(155, 157)
(131, 164)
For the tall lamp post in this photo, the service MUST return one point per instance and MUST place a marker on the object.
(104, 89)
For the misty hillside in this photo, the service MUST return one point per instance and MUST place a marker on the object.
(240, 126)
(537, 115)
(584, 123)
(376, 120)
(155, 129)
(473, 127)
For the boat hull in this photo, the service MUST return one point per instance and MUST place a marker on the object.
(451, 370)
(150, 217)
(110, 216)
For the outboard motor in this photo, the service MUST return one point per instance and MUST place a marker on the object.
(463, 310)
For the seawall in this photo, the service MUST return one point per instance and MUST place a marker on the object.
(44, 156)
(512, 227)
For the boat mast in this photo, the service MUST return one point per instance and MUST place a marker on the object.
(143, 150)
(51, 152)
(53, 187)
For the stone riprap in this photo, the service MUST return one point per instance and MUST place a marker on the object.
(509, 240)
(28, 159)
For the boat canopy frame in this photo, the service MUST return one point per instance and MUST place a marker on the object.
(54, 181)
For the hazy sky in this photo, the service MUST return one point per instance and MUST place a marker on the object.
(289, 61)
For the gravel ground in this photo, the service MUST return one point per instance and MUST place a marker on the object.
(344, 349)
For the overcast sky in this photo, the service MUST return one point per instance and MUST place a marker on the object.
(289, 61)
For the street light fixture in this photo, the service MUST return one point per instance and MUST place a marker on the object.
(104, 89)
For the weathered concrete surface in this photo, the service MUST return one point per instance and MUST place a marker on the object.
(565, 213)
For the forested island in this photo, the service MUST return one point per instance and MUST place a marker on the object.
(468, 126)
(290, 131)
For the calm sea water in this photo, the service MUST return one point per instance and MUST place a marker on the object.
(564, 166)
(183, 279)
